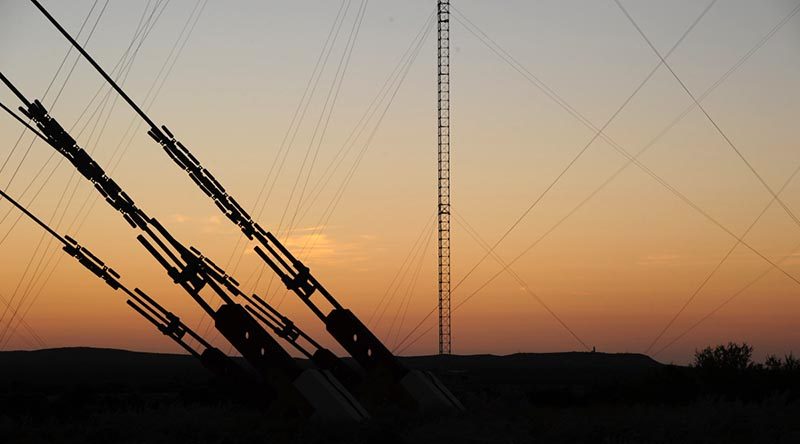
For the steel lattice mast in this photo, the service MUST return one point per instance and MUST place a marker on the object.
(443, 119)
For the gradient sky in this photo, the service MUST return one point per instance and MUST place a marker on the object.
(616, 271)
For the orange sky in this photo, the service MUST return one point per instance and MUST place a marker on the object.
(615, 271)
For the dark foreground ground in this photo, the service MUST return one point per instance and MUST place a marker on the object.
(85, 395)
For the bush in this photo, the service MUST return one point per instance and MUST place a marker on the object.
(725, 358)
(789, 364)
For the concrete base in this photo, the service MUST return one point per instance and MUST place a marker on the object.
(429, 393)
(329, 399)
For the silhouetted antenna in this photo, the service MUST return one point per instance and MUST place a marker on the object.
(443, 163)
(306, 391)
(166, 322)
(385, 372)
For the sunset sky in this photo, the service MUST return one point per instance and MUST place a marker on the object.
(616, 271)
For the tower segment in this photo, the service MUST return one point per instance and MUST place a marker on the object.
(443, 124)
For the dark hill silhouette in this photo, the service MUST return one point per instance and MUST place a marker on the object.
(99, 366)
(581, 361)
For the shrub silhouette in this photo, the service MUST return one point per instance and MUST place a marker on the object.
(789, 364)
(724, 358)
(729, 371)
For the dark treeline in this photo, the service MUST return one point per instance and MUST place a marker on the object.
(729, 370)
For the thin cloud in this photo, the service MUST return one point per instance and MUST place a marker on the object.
(324, 248)
(179, 218)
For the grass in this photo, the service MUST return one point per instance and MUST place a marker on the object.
(706, 420)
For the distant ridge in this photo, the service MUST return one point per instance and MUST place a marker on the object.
(103, 366)
(96, 366)
(543, 369)
(556, 359)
